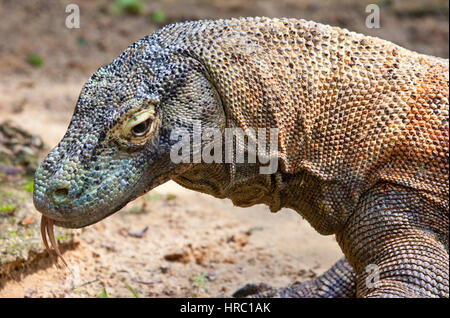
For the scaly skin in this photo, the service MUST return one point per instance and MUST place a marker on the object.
(362, 132)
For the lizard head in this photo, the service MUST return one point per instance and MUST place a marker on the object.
(118, 143)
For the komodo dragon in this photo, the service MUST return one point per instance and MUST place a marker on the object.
(362, 142)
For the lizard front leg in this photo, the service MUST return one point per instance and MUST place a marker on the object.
(397, 243)
(338, 281)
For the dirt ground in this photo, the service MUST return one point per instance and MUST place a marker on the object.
(172, 242)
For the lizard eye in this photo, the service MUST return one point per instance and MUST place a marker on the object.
(140, 125)
(142, 128)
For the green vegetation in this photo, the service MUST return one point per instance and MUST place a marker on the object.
(7, 208)
(152, 196)
(199, 281)
(28, 186)
(157, 196)
(35, 60)
(127, 6)
(103, 293)
(81, 41)
(384, 3)
(130, 289)
(136, 210)
(170, 197)
(62, 237)
(157, 16)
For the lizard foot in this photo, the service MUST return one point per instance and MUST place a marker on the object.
(338, 281)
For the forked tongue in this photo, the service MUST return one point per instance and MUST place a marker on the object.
(47, 230)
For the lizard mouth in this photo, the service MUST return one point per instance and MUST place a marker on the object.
(80, 210)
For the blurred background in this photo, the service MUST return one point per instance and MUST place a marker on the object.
(171, 242)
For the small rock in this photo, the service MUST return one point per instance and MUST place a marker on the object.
(254, 229)
(18, 147)
(108, 246)
(138, 234)
(181, 256)
(12, 171)
(211, 276)
(29, 292)
(164, 268)
(28, 220)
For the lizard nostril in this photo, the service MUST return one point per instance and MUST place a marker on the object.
(60, 194)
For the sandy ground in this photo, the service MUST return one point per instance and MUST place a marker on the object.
(171, 242)
(193, 246)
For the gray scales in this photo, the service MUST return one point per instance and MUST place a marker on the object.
(362, 142)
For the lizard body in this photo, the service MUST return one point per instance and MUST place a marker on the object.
(362, 132)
